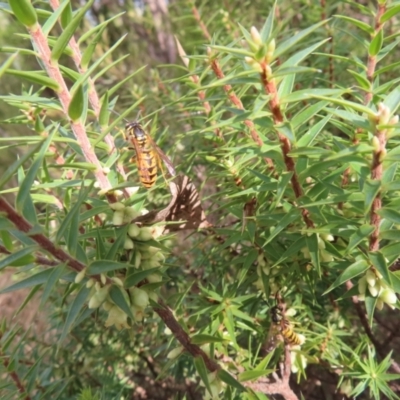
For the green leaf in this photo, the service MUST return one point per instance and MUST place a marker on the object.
(370, 189)
(14, 257)
(134, 278)
(312, 245)
(286, 130)
(74, 310)
(6, 176)
(54, 277)
(84, 78)
(359, 24)
(118, 243)
(89, 33)
(288, 44)
(104, 115)
(24, 12)
(392, 100)
(7, 63)
(230, 380)
(201, 339)
(52, 20)
(112, 90)
(376, 43)
(370, 304)
(378, 261)
(390, 12)
(287, 219)
(253, 374)
(350, 272)
(37, 279)
(69, 31)
(359, 236)
(66, 15)
(361, 79)
(345, 103)
(103, 266)
(87, 54)
(390, 214)
(308, 138)
(119, 297)
(71, 215)
(77, 104)
(23, 195)
(202, 371)
(268, 25)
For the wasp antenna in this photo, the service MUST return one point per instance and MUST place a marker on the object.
(137, 116)
(119, 115)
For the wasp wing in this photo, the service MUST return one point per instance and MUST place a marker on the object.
(163, 156)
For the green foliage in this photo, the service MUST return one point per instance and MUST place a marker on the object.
(289, 132)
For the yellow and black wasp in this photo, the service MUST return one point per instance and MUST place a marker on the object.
(285, 327)
(148, 154)
(281, 327)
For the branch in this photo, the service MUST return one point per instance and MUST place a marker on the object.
(44, 242)
(239, 105)
(40, 41)
(14, 376)
(277, 115)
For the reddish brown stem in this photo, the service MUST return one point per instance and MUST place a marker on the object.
(45, 243)
(203, 27)
(234, 99)
(14, 376)
(277, 115)
(184, 339)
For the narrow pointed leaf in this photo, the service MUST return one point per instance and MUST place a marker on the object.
(25, 186)
(77, 104)
(68, 32)
(137, 277)
(288, 44)
(230, 380)
(203, 372)
(52, 20)
(118, 297)
(378, 261)
(24, 12)
(37, 279)
(74, 310)
(361, 235)
(103, 266)
(376, 43)
(7, 63)
(14, 257)
(350, 272)
(371, 189)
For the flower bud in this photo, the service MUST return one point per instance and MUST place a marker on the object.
(376, 144)
(174, 353)
(379, 304)
(118, 218)
(154, 278)
(130, 213)
(255, 35)
(388, 296)
(362, 285)
(103, 279)
(117, 206)
(90, 283)
(139, 297)
(80, 275)
(374, 290)
(138, 258)
(371, 277)
(133, 230)
(145, 234)
(117, 281)
(128, 245)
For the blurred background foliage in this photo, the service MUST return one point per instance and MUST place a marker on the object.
(132, 363)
